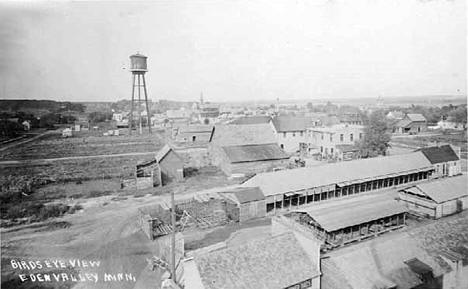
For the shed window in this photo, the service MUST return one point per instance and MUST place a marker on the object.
(351, 137)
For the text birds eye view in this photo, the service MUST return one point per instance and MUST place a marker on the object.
(250, 144)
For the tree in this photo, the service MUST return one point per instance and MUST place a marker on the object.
(458, 115)
(376, 136)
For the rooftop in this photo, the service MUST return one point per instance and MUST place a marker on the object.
(252, 120)
(292, 123)
(246, 195)
(230, 135)
(415, 117)
(442, 190)
(273, 183)
(355, 211)
(276, 262)
(254, 152)
(440, 154)
(195, 128)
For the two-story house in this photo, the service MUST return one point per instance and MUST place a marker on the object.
(290, 131)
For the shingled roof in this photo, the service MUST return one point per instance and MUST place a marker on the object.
(440, 154)
(246, 195)
(255, 152)
(258, 119)
(415, 117)
(292, 123)
(274, 263)
(442, 190)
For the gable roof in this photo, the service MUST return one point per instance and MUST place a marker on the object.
(352, 212)
(403, 122)
(228, 135)
(255, 152)
(292, 123)
(252, 120)
(440, 154)
(415, 117)
(163, 152)
(276, 262)
(195, 129)
(292, 180)
(443, 190)
(246, 195)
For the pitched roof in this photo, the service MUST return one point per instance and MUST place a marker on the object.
(378, 263)
(284, 181)
(347, 148)
(445, 189)
(252, 120)
(227, 135)
(353, 212)
(292, 123)
(246, 195)
(415, 117)
(195, 128)
(403, 122)
(277, 262)
(162, 153)
(440, 154)
(255, 152)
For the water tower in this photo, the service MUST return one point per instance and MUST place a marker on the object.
(138, 68)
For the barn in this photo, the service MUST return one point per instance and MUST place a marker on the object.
(250, 201)
(412, 123)
(437, 198)
(245, 149)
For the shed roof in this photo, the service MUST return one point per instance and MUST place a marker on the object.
(246, 195)
(292, 123)
(273, 183)
(163, 152)
(347, 148)
(195, 128)
(415, 117)
(252, 120)
(277, 262)
(254, 152)
(440, 154)
(445, 189)
(228, 135)
(349, 214)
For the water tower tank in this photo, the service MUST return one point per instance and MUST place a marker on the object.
(138, 63)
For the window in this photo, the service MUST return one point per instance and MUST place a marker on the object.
(282, 146)
(294, 134)
(331, 138)
(341, 137)
(321, 136)
(331, 150)
(284, 134)
(351, 138)
(321, 149)
(360, 135)
(194, 138)
(302, 133)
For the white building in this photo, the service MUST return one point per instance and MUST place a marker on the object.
(290, 131)
(335, 142)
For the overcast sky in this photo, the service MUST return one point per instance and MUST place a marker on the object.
(234, 50)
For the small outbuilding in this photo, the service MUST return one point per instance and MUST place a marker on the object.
(445, 159)
(438, 198)
(251, 202)
(193, 134)
(171, 165)
(412, 123)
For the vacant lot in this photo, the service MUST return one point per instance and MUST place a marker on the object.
(84, 144)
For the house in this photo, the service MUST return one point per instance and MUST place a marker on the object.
(445, 159)
(351, 118)
(395, 115)
(208, 113)
(251, 202)
(437, 198)
(449, 123)
(244, 149)
(171, 165)
(412, 123)
(290, 131)
(335, 142)
(67, 132)
(193, 133)
(391, 261)
(288, 189)
(277, 262)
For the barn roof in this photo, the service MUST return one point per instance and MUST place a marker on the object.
(228, 135)
(246, 195)
(440, 154)
(255, 152)
(273, 183)
(416, 117)
(252, 120)
(162, 153)
(292, 123)
(276, 262)
(352, 212)
(443, 190)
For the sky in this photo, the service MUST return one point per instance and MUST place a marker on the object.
(234, 49)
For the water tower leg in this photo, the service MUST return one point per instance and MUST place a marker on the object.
(139, 104)
(130, 120)
(148, 117)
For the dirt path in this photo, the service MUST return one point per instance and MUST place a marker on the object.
(21, 142)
